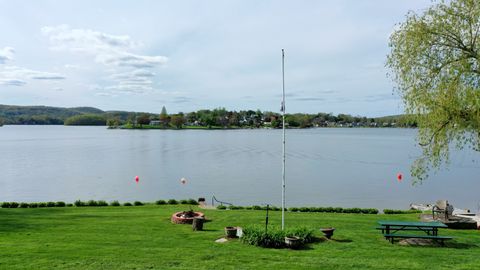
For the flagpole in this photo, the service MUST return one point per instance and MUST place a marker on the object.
(283, 126)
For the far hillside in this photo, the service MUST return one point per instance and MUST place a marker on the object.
(216, 118)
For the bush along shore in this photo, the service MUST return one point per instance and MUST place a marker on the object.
(102, 203)
(92, 203)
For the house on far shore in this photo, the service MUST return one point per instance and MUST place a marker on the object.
(155, 123)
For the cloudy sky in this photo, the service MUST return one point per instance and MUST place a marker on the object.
(190, 55)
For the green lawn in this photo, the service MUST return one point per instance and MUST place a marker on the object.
(142, 237)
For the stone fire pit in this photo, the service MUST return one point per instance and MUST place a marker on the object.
(186, 217)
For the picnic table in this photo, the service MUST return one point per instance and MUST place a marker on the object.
(392, 229)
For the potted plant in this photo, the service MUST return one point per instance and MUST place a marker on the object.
(292, 241)
(327, 232)
(231, 232)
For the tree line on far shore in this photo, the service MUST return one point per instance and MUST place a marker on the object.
(216, 118)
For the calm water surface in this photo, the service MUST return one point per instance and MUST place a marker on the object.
(325, 167)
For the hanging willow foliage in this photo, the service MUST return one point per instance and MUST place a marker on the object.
(435, 62)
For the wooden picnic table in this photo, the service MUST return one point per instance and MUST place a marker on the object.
(391, 229)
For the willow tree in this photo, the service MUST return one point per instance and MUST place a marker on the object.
(435, 62)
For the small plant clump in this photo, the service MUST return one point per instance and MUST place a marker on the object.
(221, 207)
(14, 205)
(114, 203)
(92, 203)
(172, 201)
(23, 205)
(5, 205)
(274, 237)
(127, 204)
(192, 202)
(102, 203)
(60, 204)
(160, 202)
(79, 203)
(138, 203)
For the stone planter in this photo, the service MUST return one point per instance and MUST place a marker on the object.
(231, 232)
(327, 232)
(292, 242)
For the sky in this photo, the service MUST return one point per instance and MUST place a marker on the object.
(191, 55)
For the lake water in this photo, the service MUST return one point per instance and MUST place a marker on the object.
(325, 167)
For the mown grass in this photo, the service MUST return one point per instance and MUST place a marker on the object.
(142, 237)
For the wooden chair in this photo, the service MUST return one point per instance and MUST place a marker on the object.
(443, 209)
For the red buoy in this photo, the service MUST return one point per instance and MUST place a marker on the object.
(399, 177)
(137, 178)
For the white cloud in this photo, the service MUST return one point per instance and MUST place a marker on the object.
(14, 82)
(6, 54)
(123, 59)
(113, 51)
(69, 66)
(17, 76)
(105, 94)
(110, 50)
(65, 38)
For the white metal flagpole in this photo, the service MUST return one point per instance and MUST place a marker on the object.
(283, 126)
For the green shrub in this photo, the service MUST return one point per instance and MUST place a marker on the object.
(60, 204)
(137, 203)
(69, 204)
(14, 205)
(357, 210)
(79, 203)
(369, 211)
(392, 211)
(255, 235)
(115, 203)
(328, 209)
(23, 205)
(274, 208)
(338, 210)
(172, 201)
(192, 202)
(160, 202)
(102, 203)
(183, 202)
(293, 209)
(92, 203)
(256, 207)
(42, 204)
(304, 209)
(50, 204)
(248, 207)
(305, 234)
(33, 205)
(127, 204)
(5, 205)
(221, 207)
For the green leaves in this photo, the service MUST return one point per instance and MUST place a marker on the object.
(435, 60)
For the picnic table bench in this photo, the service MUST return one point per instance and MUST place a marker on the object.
(390, 229)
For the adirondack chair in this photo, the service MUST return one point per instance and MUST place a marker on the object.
(443, 209)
